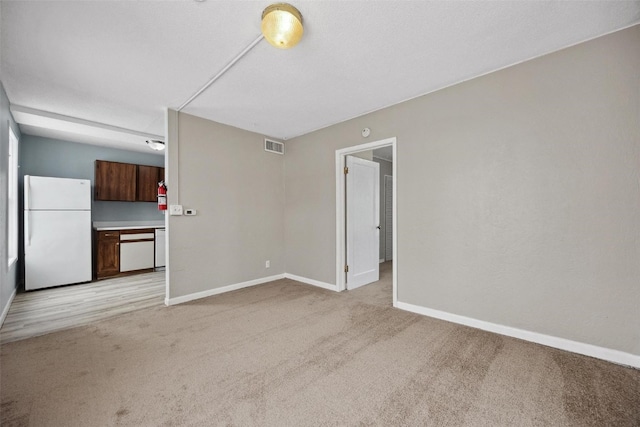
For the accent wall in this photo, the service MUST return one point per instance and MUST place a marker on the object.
(64, 159)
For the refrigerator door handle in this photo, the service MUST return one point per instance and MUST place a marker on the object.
(27, 206)
(27, 192)
(27, 229)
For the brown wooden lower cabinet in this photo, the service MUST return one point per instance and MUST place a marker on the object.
(107, 254)
(123, 252)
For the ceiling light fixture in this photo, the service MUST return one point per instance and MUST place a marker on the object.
(155, 144)
(282, 25)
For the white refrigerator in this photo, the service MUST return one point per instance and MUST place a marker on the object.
(57, 231)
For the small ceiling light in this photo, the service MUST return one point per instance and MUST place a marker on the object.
(282, 25)
(155, 144)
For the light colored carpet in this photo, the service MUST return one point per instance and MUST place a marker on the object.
(288, 354)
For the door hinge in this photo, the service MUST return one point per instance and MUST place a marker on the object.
(346, 268)
(346, 170)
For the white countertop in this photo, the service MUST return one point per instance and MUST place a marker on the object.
(126, 225)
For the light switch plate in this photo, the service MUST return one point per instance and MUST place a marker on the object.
(175, 209)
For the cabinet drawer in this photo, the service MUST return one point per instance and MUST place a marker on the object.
(102, 235)
(137, 236)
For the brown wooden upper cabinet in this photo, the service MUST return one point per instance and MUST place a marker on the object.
(127, 182)
(147, 185)
(115, 181)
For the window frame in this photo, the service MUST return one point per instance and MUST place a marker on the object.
(12, 199)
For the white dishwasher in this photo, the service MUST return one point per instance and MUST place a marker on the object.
(160, 248)
(136, 250)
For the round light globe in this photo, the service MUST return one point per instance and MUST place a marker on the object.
(282, 25)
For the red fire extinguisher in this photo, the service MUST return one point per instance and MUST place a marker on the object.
(162, 196)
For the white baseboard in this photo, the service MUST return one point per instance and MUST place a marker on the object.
(310, 281)
(5, 310)
(603, 353)
(216, 291)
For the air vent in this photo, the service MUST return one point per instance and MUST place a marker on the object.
(273, 146)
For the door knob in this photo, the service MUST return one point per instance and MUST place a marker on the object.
(378, 227)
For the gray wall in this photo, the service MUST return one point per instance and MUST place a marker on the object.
(8, 274)
(386, 168)
(237, 189)
(52, 157)
(518, 195)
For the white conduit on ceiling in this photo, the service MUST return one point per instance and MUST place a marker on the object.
(224, 70)
(194, 96)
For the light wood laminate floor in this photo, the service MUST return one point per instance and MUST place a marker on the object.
(48, 310)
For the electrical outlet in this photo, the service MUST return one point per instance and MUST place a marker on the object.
(190, 212)
(175, 209)
(267, 264)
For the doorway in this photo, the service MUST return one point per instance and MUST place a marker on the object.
(363, 227)
(387, 218)
(341, 210)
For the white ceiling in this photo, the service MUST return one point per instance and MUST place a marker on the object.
(121, 63)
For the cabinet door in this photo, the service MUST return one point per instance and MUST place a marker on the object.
(107, 253)
(147, 188)
(115, 181)
(136, 255)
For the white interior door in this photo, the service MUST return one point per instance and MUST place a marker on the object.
(363, 221)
